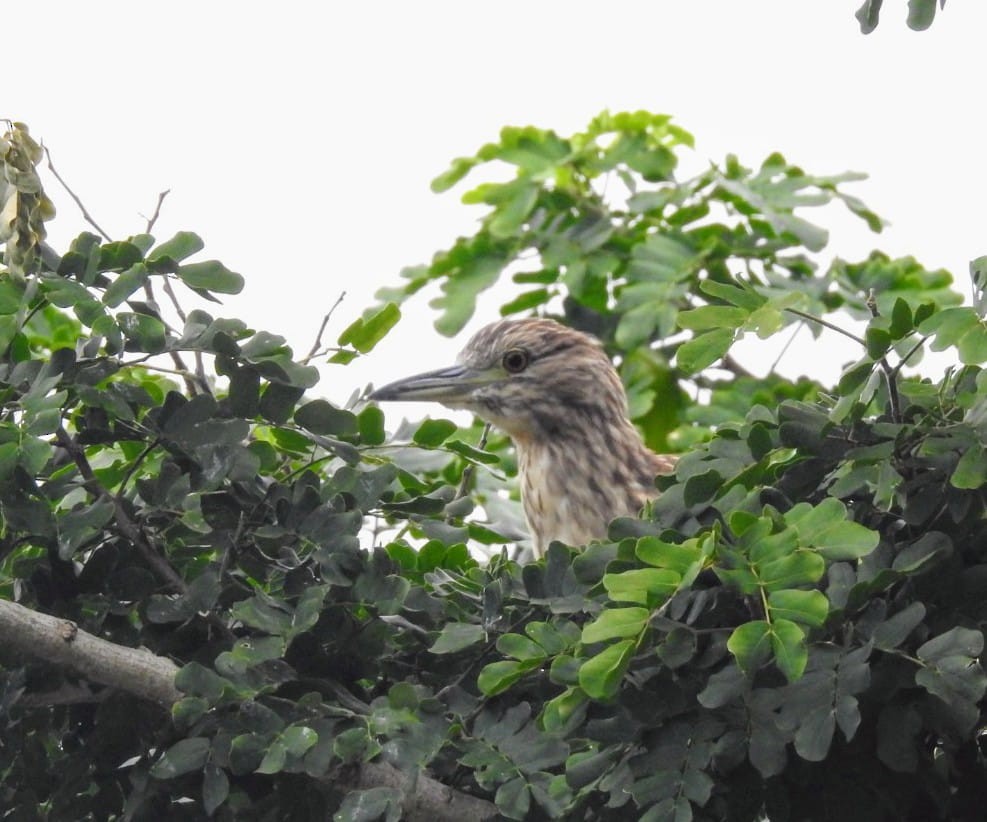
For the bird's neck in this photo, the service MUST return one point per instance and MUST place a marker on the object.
(575, 479)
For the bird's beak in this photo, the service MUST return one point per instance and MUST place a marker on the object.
(449, 386)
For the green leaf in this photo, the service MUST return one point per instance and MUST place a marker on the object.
(788, 644)
(827, 528)
(125, 284)
(647, 586)
(146, 332)
(558, 711)
(321, 417)
(520, 647)
(923, 553)
(750, 644)
(460, 168)
(432, 433)
(211, 275)
(712, 316)
(801, 568)
(703, 350)
(371, 805)
(921, 13)
(365, 332)
(215, 787)
(274, 758)
(891, 633)
(678, 558)
(815, 733)
(548, 636)
(971, 469)
(455, 636)
(117, 256)
(868, 15)
(806, 607)
(513, 798)
(12, 295)
(499, 676)
(184, 756)
(600, 675)
(297, 739)
(742, 297)
(957, 641)
(183, 244)
(614, 623)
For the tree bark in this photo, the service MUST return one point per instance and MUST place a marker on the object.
(152, 677)
(135, 670)
(426, 799)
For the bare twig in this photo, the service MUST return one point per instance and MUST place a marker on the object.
(890, 374)
(785, 347)
(157, 210)
(316, 346)
(65, 694)
(730, 364)
(904, 360)
(827, 324)
(174, 300)
(127, 526)
(470, 469)
(85, 214)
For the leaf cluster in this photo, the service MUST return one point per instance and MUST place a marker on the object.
(794, 630)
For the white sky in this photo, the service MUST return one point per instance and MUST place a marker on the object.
(299, 139)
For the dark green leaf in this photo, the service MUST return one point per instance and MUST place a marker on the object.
(184, 756)
(432, 433)
(211, 275)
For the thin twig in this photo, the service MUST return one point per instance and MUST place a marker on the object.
(889, 373)
(157, 210)
(785, 347)
(908, 356)
(734, 367)
(85, 214)
(200, 370)
(135, 465)
(470, 469)
(314, 352)
(127, 526)
(131, 530)
(174, 300)
(827, 324)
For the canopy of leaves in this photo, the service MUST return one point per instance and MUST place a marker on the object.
(793, 631)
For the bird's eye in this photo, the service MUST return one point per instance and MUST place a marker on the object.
(515, 360)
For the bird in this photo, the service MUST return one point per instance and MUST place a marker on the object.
(554, 391)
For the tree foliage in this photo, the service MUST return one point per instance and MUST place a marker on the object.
(795, 628)
(921, 13)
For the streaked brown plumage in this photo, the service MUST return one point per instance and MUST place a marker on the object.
(555, 392)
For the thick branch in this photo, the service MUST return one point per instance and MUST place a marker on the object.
(152, 677)
(426, 799)
(135, 670)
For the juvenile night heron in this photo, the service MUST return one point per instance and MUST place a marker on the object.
(554, 391)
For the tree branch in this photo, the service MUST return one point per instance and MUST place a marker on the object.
(135, 670)
(146, 675)
(314, 351)
(85, 214)
(157, 211)
(426, 799)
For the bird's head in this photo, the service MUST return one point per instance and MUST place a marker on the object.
(531, 377)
